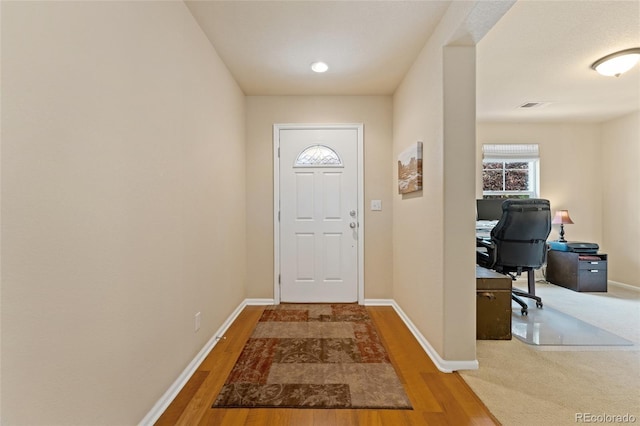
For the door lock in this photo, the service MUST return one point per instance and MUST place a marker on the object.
(352, 213)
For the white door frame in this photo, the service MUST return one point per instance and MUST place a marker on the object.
(276, 200)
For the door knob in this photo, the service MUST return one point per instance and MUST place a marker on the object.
(352, 225)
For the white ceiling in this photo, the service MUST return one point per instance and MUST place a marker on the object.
(269, 45)
(540, 51)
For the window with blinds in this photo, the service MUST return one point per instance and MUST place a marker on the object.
(510, 171)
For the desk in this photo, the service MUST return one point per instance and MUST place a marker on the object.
(493, 305)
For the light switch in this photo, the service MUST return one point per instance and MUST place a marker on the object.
(376, 205)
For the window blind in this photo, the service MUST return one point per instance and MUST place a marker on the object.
(524, 152)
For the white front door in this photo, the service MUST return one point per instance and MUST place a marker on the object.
(319, 226)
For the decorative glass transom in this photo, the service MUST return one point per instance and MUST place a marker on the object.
(318, 156)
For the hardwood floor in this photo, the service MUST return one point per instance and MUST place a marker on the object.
(437, 398)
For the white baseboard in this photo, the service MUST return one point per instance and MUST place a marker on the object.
(175, 388)
(259, 302)
(442, 364)
(379, 302)
(165, 400)
(623, 285)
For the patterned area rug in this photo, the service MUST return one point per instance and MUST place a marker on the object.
(314, 356)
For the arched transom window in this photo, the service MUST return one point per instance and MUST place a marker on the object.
(318, 156)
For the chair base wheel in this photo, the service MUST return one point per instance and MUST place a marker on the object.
(524, 312)
(539, 305)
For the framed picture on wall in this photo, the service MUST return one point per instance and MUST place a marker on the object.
(410, 169)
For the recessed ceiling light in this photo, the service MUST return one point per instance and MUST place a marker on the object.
(319, 67)
(617, 63)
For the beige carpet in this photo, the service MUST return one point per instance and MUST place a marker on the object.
(531, 385)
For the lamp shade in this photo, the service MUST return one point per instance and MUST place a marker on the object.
(562, 217)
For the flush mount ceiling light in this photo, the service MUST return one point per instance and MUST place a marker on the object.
(617, 63)
(319, 67)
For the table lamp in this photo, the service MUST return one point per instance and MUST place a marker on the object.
(562, 218)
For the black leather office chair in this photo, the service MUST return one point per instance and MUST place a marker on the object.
(518, 244)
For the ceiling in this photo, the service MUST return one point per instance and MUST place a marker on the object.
(540, 51)
(269, 45)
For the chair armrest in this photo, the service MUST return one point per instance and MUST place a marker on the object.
(484, 243)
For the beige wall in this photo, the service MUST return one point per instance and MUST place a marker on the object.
(418, 217)
(123, 206)
(571, 170)
(620, 152)
(459, 110)
(375, 112)
(434, 264)
(589, 169)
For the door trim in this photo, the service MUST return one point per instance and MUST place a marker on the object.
(359, 127)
